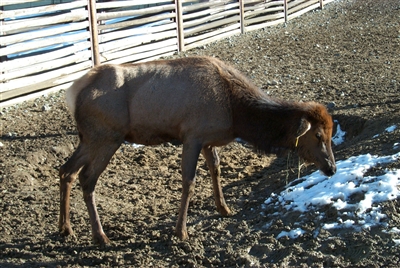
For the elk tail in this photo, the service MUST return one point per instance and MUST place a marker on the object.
(79, 84)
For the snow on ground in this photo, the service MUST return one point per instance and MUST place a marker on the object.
(387, 130)
(338, 138)
(316, 190)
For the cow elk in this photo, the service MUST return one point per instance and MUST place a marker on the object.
(200, 101)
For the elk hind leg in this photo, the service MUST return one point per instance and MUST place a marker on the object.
(212, 160)
(68, 174)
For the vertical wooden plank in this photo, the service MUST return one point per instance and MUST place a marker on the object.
(4, 57)
(321, 4)
(285, 10)
(94, 33)
(241, 8)
(179, 25)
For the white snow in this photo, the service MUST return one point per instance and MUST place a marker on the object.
(292, 233)
(388, 130)
(339, 136)
(316, 190)
(391, 128)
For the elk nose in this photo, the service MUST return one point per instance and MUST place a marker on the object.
(331, 170)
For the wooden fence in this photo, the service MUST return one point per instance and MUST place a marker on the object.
(45, 47)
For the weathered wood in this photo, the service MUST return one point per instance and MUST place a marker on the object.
(32, 83)
(135, 40)
(45, 66)
(203, 16)
(300, 5)
(265, 18)
(213, 39)
(198, 37)
(211, 25)
(266, 24)
(107, 56)
(241, 8)
(106, 37)
(33, 95)
(285, 10)
(13, 2)
(136, 12)
(118, 4)
(206, 5)
(16, 38)
(27, 24)
(49, 56)
(298, 12)
(154, 18)
(262, 6)
(327, 1)
(43, 9)
(179, 25)
(146, 55)
(261, 13)
(41, 43)
(194, 13)
(94, 34)
(205, 20)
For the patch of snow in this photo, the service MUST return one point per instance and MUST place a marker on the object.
(292, 233)
(316, 190)
(339, 136)
(391, 128)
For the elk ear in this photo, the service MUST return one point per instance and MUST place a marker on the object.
(303, 128)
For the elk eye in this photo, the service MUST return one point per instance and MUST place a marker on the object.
(318, 135)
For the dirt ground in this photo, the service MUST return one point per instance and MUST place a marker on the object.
(346, 56)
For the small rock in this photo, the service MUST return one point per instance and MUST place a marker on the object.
(272, 83)
(45, 108)
(331, 105)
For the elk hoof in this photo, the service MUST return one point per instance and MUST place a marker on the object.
(182, 234)
(101, 240)
(224, 211)
(66, 230)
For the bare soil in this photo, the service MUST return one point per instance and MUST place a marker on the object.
(346, 56)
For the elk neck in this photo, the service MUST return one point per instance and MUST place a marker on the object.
(270, 125)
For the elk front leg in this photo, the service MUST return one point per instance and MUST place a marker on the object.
(190, 155)
(212, 160)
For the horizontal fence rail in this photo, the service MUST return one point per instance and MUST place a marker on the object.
(45, 46)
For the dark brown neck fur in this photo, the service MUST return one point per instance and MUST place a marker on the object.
(269, 125)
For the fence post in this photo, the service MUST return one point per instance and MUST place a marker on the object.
(94, 34)
(285, 9)
(4, 57)
(321, 4)
(241, 10)
(179, 25)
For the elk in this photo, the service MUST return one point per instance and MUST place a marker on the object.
(200, 101)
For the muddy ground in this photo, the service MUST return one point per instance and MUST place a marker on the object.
(346, 56)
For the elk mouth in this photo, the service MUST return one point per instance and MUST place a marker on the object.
(330, 169)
